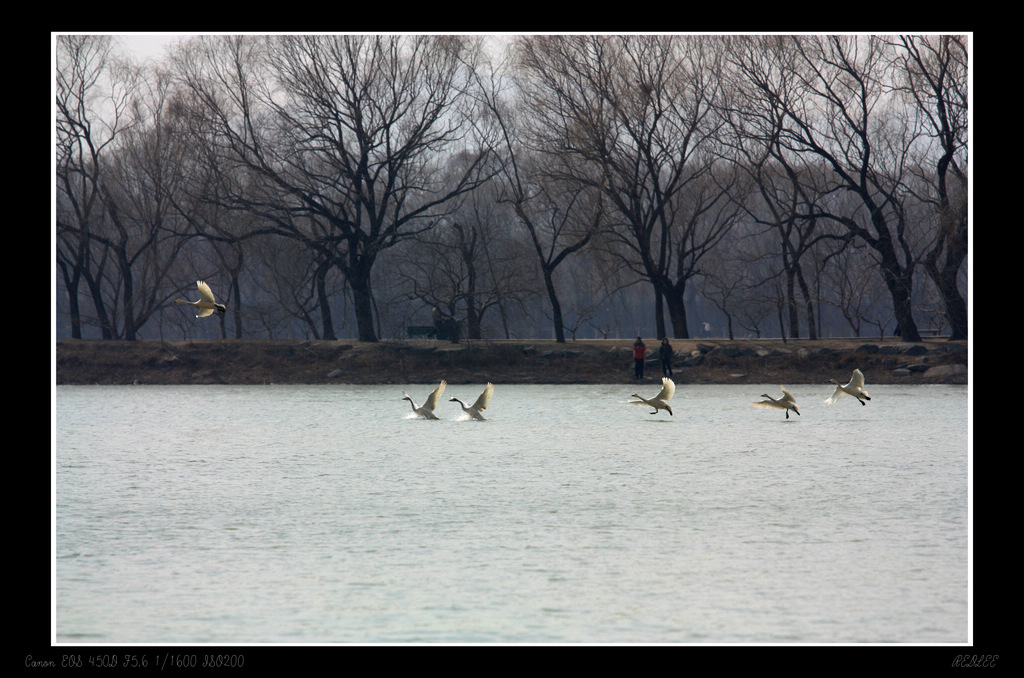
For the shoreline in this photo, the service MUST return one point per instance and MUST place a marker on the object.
(508, 361)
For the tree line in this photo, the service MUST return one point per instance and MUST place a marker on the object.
(344, 185)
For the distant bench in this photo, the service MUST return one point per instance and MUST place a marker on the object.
(420, 331)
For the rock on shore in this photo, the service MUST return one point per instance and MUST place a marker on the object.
(706, 361)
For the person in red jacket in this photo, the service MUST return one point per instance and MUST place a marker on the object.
(639, 349)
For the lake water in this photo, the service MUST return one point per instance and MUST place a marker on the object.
(325, 514)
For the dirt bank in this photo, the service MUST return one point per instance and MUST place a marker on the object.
(706, 361)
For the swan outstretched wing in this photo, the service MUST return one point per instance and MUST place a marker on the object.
(770, 403)
(205, 293)
(787, 396)
(668, 389)
(836, 395)
(857, 380)
(203, 312)
(485, 398)
(435, 396)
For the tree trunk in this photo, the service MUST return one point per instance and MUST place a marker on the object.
(812, 329)
(103, 318)
(898, 282)
(236, 310)
(955, 304)
(362, 303)
(945, 277)
(791, 305)
(75, 311)
(71, 284)
(127, 294)
(324, 302)
(677, 311)
(556, 307)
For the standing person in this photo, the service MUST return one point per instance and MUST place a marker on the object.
(665, 353)
(639, 349)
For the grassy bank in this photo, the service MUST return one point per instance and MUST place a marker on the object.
(705, 361)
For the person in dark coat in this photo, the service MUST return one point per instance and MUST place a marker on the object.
(665, 353)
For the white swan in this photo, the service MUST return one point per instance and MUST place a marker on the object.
(427, 409)
(855, 387)
(660, 401)
(205, 303)
(787, 402)
(480, 405)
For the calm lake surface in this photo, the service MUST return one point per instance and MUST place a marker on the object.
(326, 514)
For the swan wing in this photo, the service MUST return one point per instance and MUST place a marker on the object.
(857, 380)
(836, 395)
(435, 396)
(203, 312)
(668, 389)
(787, 396)
(767, 404)
(485, 398)
(205, 293)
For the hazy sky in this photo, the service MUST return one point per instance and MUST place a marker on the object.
(151, 45)
(154, 45)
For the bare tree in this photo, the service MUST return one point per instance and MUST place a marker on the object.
(93, 108)
(144, 182)
(344, 136)
(633, 117)
(855, 290)
(832, 93)
(560, 217)
(935, 79)
(782, 193)
(296, 279)
(470, 264)
(119, 154)
(726, 279)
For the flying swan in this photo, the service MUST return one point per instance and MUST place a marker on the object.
(787, 402)
(855, 387)
(660, 401)
(427, 409)
(205, 303)
(480, 405)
